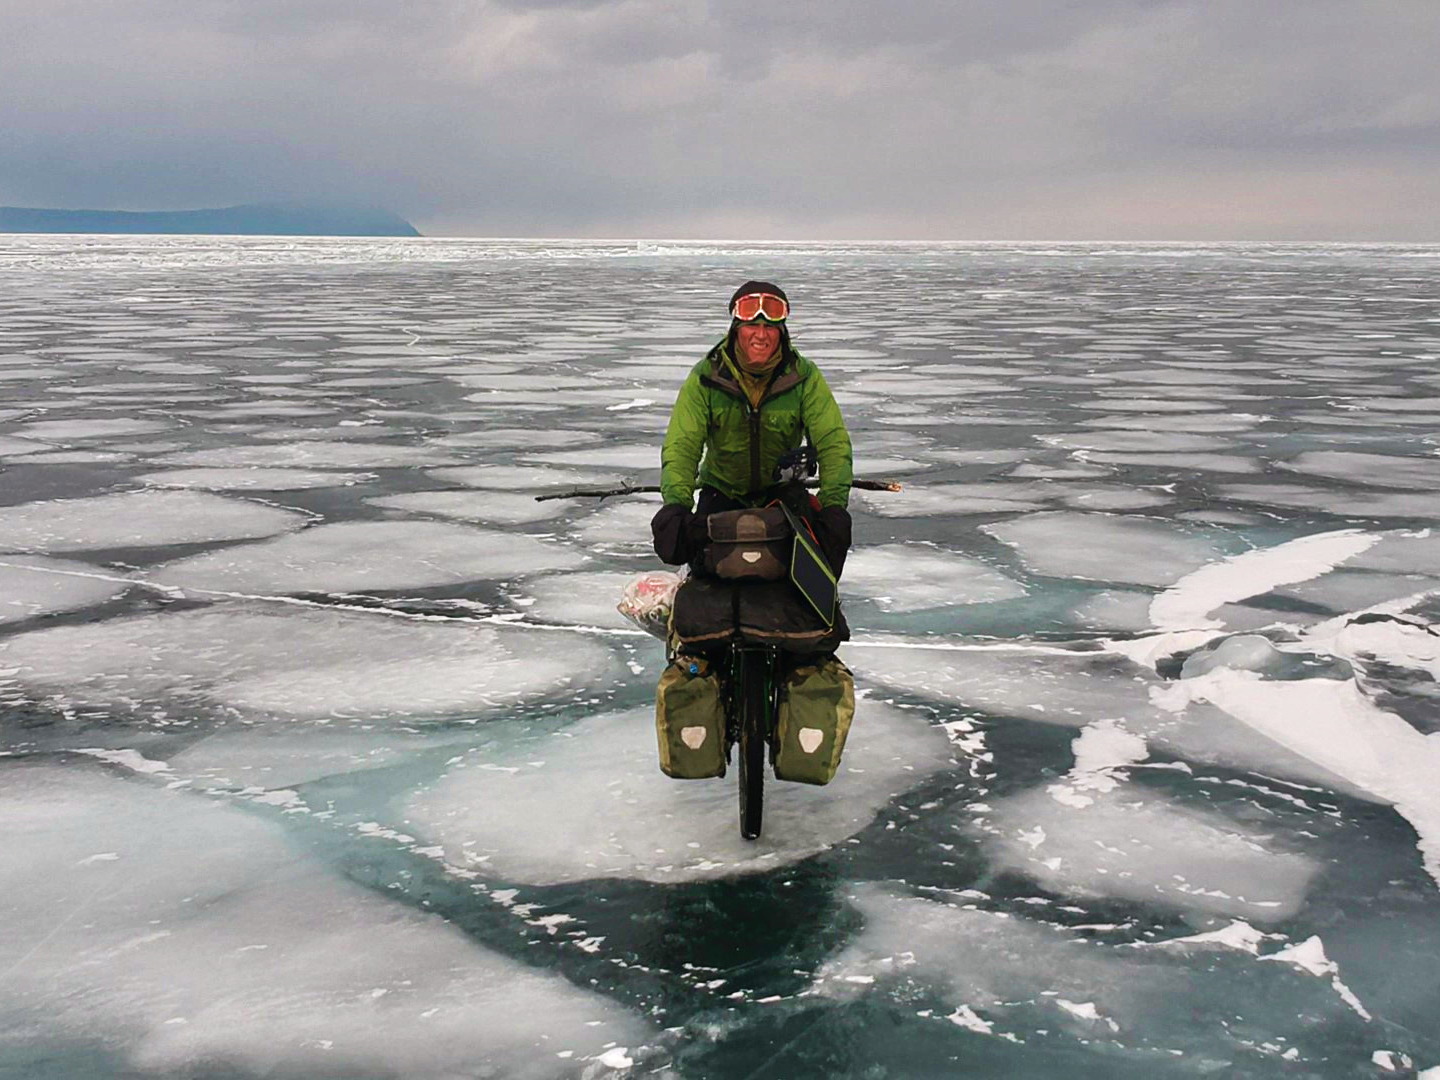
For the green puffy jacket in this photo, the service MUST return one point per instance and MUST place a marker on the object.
(741, 445)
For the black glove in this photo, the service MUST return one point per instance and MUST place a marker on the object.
(832, 529)
(672, 527)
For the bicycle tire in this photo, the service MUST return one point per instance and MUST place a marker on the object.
(753, 698)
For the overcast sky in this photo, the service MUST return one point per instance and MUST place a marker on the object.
(828, 119)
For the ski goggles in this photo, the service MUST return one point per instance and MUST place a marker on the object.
(760, 305)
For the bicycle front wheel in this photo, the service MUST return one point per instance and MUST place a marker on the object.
(754, 702)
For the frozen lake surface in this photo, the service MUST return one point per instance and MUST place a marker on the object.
(323, 752)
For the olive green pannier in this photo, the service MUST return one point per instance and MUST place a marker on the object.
(817, 705)
(690, 719)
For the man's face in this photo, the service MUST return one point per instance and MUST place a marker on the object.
(758, 341)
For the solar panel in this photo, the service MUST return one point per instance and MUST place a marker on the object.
(810, 573)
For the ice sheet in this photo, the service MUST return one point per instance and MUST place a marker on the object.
(176, 935)
(32, 585)
(621, 817)
(1012, 978)
(1334, 724)
(63, 431)
(1375, 470)
(578, 599)
(316, 454)
(913, 577)
(1084, 840)
(532, 479)
(252, 479)
(358, 556)
(297, 663)
(1106, 547)
(138, 519)
(621, 526)
(489, 507)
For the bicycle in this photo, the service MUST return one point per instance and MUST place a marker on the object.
(752, 703)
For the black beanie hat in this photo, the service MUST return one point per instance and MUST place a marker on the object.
(756, 287)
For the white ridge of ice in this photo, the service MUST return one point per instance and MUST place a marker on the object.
(130, 759)
(1055, 685)
(1238, 935)
(204, 935)
(1332, 723)
(966, 1017)
(1402, 641)
(1187, 603)
(1309, 956)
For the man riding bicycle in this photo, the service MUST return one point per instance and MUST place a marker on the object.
(750, 402)
(753, 630)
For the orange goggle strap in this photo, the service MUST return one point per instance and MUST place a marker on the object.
(766, 306)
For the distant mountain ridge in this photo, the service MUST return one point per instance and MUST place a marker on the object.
(251, 219)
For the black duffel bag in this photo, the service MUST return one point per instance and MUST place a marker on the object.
(711, 613)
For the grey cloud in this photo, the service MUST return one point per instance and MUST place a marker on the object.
(936, 118)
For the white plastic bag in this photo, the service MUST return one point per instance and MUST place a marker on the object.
(647, 600)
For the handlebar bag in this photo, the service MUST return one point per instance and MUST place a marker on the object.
(749, 545)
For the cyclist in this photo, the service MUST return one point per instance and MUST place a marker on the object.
(752, 400)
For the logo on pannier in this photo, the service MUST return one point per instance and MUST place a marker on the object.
(810, 739)
(694, 737)
(752, 556)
